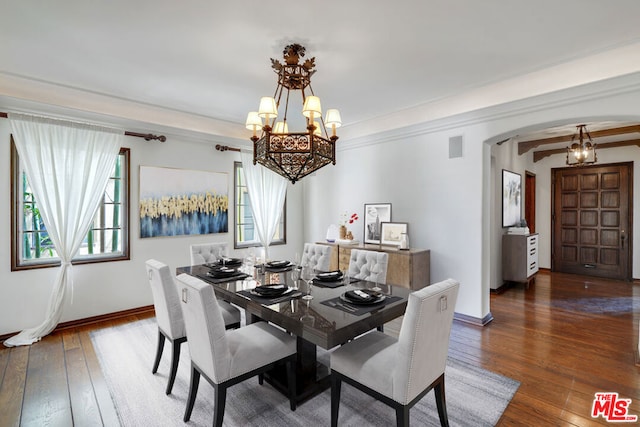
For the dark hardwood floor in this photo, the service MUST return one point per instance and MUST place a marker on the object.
(565, 338)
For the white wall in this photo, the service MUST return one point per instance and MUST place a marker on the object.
(109, 287)
(504, 156)
(440, 198)
(451, 204)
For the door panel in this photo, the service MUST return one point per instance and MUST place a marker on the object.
(592, 221)
(530, 200)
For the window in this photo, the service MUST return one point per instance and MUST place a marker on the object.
(245, 235)
(107, 240)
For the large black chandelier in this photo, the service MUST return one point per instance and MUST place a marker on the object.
(293, 155)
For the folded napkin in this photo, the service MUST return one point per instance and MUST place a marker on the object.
(362, 295)
(229, 261)
(330, 276)
(278, 263)
(271, 290)
(222, 272)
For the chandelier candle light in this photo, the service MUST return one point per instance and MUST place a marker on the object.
(293, 154)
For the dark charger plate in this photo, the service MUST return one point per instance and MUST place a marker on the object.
(330, 276)
(353, 298)
(230, 261)
(278, 264)
(271, 291)
(219, 272)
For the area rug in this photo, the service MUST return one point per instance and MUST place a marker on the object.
(475, 397)
(612, 306)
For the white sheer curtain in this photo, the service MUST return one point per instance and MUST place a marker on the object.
(266, 190)
(68, 167)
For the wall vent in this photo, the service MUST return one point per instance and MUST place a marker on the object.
(455, 147)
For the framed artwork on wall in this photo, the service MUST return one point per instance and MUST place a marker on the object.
(176, 202)
(391, 232)
(511, 198)
(374, 215)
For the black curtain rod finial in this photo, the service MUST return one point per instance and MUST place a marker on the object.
(147, 136)
(226, 148)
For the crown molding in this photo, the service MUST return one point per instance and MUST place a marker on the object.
(600, 75)
(40, 97)
(578, 94)
(603, 66)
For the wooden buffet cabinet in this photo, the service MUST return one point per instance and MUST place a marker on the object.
(408, 268)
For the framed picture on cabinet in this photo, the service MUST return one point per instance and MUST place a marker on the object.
(511, 198)
(374, 215)
(391, 232)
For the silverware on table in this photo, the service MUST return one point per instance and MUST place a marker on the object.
(342, 305)
(348, 307)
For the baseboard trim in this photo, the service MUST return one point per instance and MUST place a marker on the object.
(508, 285)
(501, 289)
(95, 319)
(473, 320)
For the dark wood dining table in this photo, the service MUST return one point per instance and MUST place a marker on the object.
(316, 322)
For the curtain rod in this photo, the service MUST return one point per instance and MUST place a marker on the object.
(146, 136)
(227, 148)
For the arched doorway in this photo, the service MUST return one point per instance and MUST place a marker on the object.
(507, 144)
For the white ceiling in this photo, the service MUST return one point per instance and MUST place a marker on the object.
(210, 60)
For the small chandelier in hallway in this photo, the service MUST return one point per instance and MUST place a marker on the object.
(582, 152)
(293, 154)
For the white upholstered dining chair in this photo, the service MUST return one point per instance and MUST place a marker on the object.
(169, 315)
(399, 372)
(208, 252)
(316, 257)
(226, 358)
(368, 265)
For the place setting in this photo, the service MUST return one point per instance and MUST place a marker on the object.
(224, 270)
(277, 266)
(271, 294)
(360, 301)
(333, 279)
(225, 262)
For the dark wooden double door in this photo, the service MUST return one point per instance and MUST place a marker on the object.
(591, 220)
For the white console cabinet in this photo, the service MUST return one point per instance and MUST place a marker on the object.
(519, 257)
